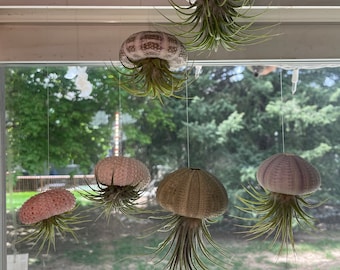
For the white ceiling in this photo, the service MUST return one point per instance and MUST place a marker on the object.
(78, 31)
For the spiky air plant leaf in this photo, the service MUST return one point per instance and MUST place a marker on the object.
(113, 198)
(48, 213)
(120, 182)
(155, 64)
(187, 244)
(209, 24)
(194, 197)
(287, 180)
(275, 216)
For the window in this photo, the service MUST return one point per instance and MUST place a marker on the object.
(60, 120)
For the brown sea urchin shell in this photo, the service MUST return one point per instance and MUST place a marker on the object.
(122, 171)
(192, 193)
(288, 174)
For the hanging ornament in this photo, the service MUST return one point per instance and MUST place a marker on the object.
(120, 182)
(194, 197)
(156, 61)
(49, 212)
(295, 79)
(210, 24)
(286, 180)
(198, 71)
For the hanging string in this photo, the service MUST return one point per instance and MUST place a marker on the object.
(117, 127)
(48, 122)
(120, 118)
(282, 114)
(187, 120)
(295, 79)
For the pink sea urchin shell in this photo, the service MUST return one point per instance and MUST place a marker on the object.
(122, 171)
(120, 181)
(288, 174)
(45, 205)
(287, 180)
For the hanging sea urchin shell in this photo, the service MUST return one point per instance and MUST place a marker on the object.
(193, 196)
(288, 174)
(120, 181)
(48, 212)
(122, 171)
(156, 61)
(192, 193)
(286, 178)
(153, 44)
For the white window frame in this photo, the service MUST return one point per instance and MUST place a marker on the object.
(38, 31)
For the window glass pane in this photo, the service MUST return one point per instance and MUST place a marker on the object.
(61, 120)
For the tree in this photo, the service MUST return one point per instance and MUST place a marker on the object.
(49, 123)
(235, 122)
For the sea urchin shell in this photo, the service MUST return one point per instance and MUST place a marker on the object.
(288, 174)
(48, 212)
(192, 193)
(122, 171)
(45, 205)
(155, 61)
(194, 196)
(286, 179)
(120, 181)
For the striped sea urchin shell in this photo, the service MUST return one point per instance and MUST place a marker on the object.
(192, 193)
(45, 205)
(153, 44)
(122, 171)
(288, 174)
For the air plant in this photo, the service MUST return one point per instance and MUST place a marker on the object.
(209, 24)
(287, 180)
(194, 197)
(47, 213)
(155, 62)
(120, 182)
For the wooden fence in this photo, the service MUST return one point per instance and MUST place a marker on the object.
(45, 182)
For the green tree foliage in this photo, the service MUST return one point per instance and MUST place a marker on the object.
(48, 123)
(236, 120)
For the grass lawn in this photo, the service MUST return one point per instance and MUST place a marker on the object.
(126, 253)
(16, 199)
(115, 245)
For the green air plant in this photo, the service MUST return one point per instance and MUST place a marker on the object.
(120, 182)
(155, 63)
(208, 24)
(287, 180)
(47, 213)
(194, 197)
